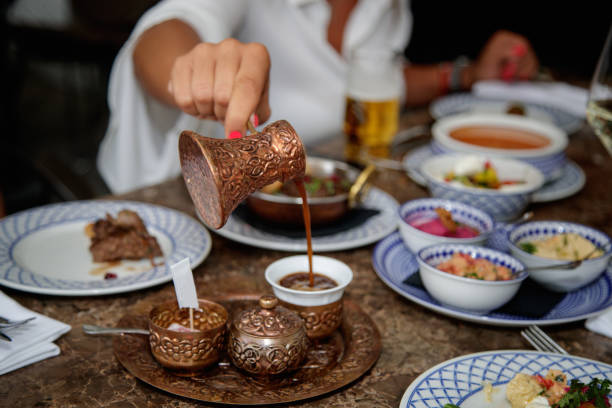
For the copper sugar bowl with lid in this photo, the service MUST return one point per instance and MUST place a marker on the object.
(221, 173)
(268, 339)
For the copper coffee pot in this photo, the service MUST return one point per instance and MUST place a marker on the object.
(221, 173)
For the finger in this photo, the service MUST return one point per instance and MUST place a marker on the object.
(509, 70)
(519, 49)
(528, 68)
(250, 89)
(203, 79)
(263, 110)
(180, 83)
(226, 69)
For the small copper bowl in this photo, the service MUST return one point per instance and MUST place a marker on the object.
(321, 310)
(267, 340)
(284, 209)
(187, 353)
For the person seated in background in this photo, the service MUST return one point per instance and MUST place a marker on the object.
(210, 65)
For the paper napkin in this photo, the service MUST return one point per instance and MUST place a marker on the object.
(566, 97)
(601, 323)
(32, 341)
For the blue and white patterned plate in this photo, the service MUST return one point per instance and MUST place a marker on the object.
(460, 380)
(394, 262)
(46, 250)
(570, 182)
(372, 230)
(467, 102)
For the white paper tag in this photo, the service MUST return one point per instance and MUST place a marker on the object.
(184, 285)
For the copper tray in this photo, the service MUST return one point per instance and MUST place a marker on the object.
(329, 365)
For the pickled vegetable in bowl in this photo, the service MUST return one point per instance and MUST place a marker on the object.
(444, 225)
(474, 171)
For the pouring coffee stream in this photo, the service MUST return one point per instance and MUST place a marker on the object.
(221, 173)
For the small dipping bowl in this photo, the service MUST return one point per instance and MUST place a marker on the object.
(502, 205)
(187, 353)
(551, 277)
(321, 309)
(423, 208)
(549, 159)
(467, 294)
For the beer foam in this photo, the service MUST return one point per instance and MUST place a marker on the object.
(365, 87)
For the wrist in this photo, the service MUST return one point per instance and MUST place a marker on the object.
(444, 77)
(461, 74)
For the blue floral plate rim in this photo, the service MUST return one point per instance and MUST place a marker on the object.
(182, 236)
(577, 305)
(459, 379)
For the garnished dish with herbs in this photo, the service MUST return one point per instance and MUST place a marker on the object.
(327, 186)
(476, 268)
(570, 247)
(478, 173)
(554, 391)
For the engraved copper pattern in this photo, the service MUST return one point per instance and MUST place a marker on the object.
(333, 362)
(320, 321)
(267, 339)
(256, 357)
(263, 322)
(221, 173)
(187, 352)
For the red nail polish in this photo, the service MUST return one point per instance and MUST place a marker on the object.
(255, 120)
(508, 71)
(519, 50)
(235, 135)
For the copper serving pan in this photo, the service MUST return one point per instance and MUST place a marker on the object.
(283, 209)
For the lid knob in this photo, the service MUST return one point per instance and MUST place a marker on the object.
(268, 302)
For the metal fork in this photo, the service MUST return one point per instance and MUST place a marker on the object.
(7, 324)
(541, 341)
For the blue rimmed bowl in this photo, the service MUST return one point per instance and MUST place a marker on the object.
(502, 204)
(553, 278)
(424, 208)
(549, 159)
(468, 294)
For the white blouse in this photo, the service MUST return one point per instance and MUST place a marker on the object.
(307, 76)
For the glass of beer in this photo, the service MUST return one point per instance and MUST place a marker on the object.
(374, 87)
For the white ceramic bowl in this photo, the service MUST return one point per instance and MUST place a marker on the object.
(549, 159)
(502, 205)
(556, 279)
(472, 295)
(330, 267)
(413, 210)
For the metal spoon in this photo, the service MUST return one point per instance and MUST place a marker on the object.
(93, 329)
(569, 265)
(360, 185)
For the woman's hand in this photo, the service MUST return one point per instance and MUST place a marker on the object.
(227, 81)
(506, 56)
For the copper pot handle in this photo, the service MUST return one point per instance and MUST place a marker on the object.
(360, 186)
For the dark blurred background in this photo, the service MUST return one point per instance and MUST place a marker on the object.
(54, 108)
